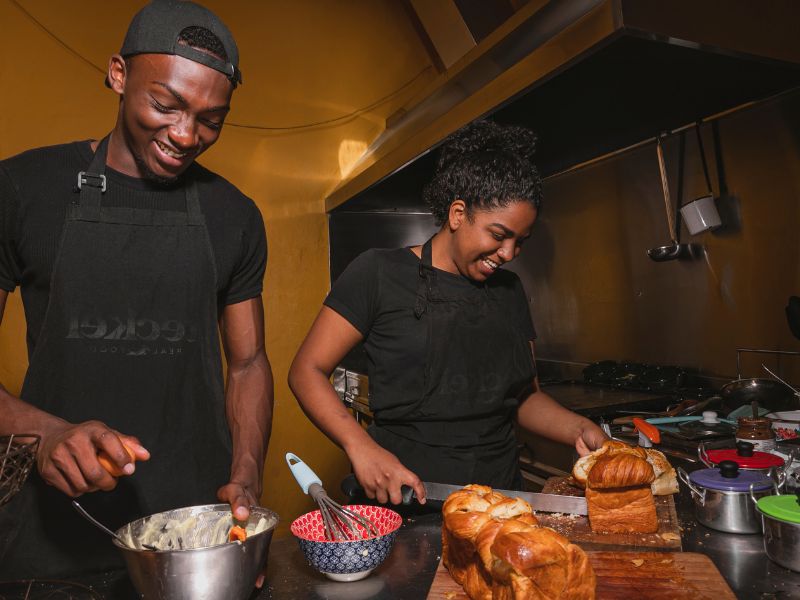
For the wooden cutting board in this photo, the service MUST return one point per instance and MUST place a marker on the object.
(659, 576)
(576, 528)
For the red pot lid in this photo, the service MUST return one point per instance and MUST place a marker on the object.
(759, 460)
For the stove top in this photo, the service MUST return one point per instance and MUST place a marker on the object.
(594, 400)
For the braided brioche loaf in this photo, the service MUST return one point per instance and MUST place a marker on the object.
(493, 547)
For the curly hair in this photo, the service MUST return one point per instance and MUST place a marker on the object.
(487, 166)
(202, 39)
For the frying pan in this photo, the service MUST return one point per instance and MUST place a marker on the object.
(767, 392)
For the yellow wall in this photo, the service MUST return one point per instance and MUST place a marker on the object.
(303, 61)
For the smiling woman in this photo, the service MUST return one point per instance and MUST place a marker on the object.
(447, 333)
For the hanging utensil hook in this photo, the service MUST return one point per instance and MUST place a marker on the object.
(702, 152)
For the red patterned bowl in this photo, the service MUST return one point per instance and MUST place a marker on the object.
(351, 560)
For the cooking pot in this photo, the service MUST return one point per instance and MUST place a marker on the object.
(767, 392)
(746, 459)
(722, 497)
(780, 520)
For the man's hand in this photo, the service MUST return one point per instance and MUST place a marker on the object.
(241, 497)
(68, 456)
(381, 475)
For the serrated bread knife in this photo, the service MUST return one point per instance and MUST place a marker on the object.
(574, 505)
(438, 492)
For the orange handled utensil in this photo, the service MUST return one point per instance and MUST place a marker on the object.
(648, 430)
(237, 534)
(110, 466)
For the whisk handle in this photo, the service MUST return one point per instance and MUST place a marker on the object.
(302, 472)
(352, 488)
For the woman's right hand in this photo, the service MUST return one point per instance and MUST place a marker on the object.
(381, 475)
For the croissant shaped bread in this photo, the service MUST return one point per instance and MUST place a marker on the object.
(620, 482)
(664, 483)
(619, 471)
(493, 547)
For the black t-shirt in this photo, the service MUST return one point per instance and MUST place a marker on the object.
(377, 294)
(37, 186)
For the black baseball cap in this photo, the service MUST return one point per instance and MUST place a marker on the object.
(155, 30)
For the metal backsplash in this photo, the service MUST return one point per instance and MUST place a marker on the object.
(594, 292)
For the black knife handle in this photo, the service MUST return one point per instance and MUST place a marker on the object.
(351, 488)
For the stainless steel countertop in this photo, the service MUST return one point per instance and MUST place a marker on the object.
(408, 572)
(740, 558)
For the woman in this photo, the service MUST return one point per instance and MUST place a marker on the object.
(447, 333)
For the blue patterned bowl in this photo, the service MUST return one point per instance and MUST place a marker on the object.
(351, 560)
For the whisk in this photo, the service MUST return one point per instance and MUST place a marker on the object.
(339, 523)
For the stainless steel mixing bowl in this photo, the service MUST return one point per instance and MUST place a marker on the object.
(223, 572)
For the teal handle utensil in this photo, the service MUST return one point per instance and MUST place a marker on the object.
(302, 472)
(668, 420)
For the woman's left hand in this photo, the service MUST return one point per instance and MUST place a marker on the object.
(590, 439)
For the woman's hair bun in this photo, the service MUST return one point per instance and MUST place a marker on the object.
(487, 136)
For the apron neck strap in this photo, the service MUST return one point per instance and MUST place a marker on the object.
(92, 186)
(92, 182)
(426, 284)
(426, 258)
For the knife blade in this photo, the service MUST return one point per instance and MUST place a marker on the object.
(575, 505)
(438, 492)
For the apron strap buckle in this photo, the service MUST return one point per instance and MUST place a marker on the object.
(92, 180)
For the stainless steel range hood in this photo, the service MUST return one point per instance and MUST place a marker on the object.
(593, 76)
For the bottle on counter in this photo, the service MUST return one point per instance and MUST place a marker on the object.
(758, 431)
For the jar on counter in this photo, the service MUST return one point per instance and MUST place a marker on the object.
(758, 431)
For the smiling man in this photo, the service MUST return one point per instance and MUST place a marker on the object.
(133, 260)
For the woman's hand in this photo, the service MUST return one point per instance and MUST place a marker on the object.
(590, 439)
(381, 475)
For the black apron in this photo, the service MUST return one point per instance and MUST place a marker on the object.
(130, 339)
(461, 430)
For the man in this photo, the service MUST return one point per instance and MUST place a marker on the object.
(132, 259)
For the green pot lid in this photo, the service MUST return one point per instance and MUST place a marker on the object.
(784, 507)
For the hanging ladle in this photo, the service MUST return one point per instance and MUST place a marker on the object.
(675, 249)
(102, 527)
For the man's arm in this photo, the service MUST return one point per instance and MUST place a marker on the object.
(67, 455)
(539, 413)
(248, 402)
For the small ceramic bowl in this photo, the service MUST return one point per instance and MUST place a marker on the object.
(786, 424)
(350, 560)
